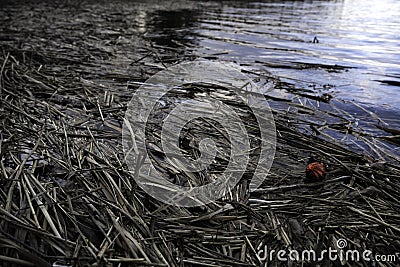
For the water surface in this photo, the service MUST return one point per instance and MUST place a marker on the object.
(348, 49)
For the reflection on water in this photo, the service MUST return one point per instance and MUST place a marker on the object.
(360, 37)
(291, 39)
(172, 27)
(359, 34)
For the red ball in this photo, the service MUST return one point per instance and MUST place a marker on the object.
(315, 172)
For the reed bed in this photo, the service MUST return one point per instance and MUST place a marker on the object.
(68, 199)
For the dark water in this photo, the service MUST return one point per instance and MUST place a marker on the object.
(290, 38)
(347, 48)
(363, 35)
